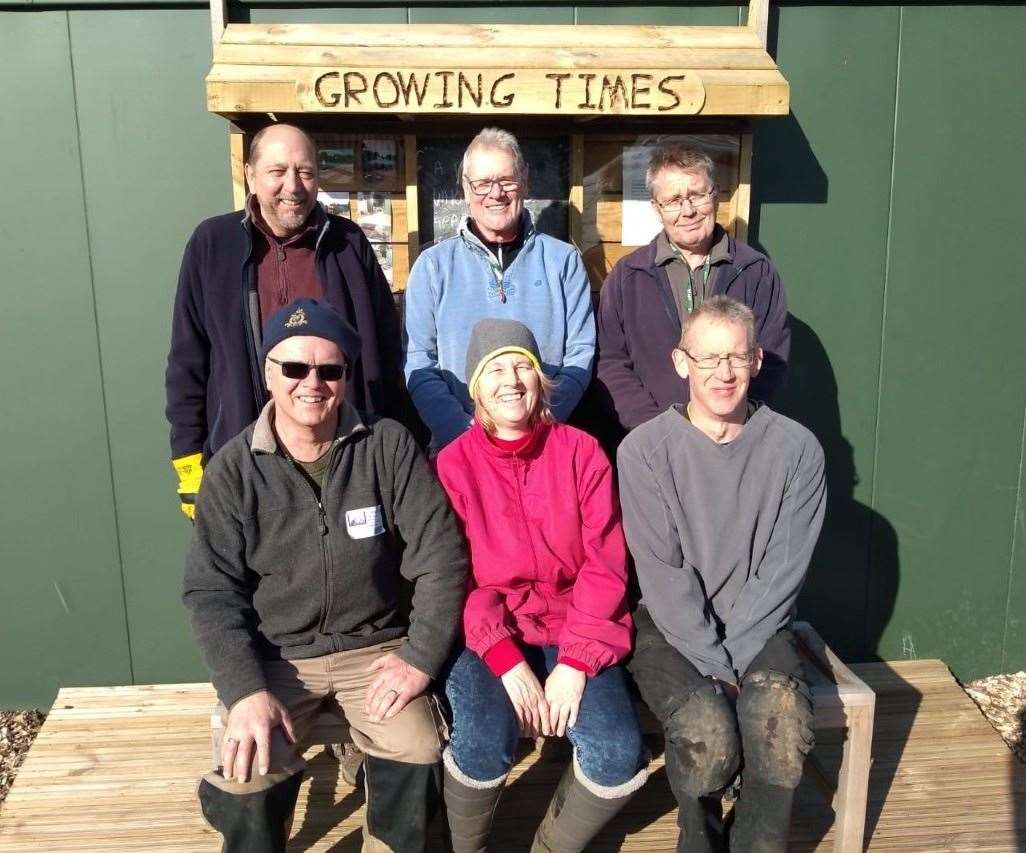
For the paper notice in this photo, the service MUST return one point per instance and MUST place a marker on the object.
(640, 222)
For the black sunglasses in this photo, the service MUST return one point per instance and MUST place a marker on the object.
(299, 370)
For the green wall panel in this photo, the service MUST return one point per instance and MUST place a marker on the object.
(678, 14)
(62, 615)
(821, 189)
(951, 402)
(155, 164)
(498, 13)
(299, 15)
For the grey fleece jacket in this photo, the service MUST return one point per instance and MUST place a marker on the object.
(721, 534)
(273, 573)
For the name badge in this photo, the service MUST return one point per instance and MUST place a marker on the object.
(365, 522)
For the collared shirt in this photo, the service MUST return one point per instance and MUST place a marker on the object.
(691, 287)
(286, 269)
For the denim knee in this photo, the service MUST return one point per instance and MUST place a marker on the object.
(702, 734)
(611, 755)
(485, 732)
(775, 716)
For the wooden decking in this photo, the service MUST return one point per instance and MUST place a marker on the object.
(116, 769)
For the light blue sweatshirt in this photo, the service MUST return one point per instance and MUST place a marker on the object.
(452, 286)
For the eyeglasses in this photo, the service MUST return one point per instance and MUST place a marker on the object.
(737, 360)
(696, 201)
(299, 370)
(484, 185)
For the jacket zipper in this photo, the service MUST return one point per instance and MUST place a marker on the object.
(247, 324)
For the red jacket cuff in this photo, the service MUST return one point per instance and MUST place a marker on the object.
(576, 664)
(503, 656)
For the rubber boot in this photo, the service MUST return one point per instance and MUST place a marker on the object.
(470, 806)
(401, 800)
(762, 818)
(579, 809)
(254, 822)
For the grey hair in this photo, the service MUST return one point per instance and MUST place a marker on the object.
(503, 140)
(258, 137)
(721, 309)
(679, 157)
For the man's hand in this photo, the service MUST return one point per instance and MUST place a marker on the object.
(528, 700)
(250, 722)
(563, 690)
(396, 685)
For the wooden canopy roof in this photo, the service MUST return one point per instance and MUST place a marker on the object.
(495, 69)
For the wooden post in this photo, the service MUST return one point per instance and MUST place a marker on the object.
(741, 207)
(218, 19)
(237, 154)
(577, 190)
(412, 208)
(758, 19)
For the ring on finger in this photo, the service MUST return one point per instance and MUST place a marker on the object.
(234, 740)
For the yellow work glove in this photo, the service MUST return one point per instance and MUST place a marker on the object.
(190, 472)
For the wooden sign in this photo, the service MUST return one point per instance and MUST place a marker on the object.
(488, 90)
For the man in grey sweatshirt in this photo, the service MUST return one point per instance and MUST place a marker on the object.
(723, 501)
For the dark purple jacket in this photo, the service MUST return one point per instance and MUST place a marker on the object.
(638, 326)
(214, 381)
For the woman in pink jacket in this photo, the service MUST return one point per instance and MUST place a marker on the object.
(546, 618)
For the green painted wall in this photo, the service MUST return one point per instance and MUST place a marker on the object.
(888, 199)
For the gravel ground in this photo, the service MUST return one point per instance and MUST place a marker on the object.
(17, 731)
(1002, 698)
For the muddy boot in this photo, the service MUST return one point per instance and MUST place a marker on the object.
(470, 806)
(401, 800)
(256, 821)
(350, 761)
(579, 809)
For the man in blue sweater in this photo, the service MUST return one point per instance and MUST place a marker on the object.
(723, 500)
(496, 266)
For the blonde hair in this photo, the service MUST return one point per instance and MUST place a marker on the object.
(542, 408)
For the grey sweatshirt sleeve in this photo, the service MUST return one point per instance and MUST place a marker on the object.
(434, 560)
(218, 592)
(766, 602)
(670, 590)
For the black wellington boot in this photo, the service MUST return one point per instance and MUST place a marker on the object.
(256, 822)
(401, 801)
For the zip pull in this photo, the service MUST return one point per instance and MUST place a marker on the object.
(502, 293)
(322, 519)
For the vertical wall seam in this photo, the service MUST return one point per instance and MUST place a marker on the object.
(99, 348)
(883, 330)
(1016, 513)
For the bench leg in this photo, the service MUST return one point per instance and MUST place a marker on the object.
(853, 782)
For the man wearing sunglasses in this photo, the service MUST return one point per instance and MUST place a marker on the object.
(240, 268)
(650, 292)
(326, 565)
(723, 501)
(496, 266)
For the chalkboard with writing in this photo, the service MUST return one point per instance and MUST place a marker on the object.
(440, 194)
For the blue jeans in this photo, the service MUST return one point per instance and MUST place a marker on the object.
(606, 737)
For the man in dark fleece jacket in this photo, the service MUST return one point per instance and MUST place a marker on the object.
(326, 564)
(240, 268)
(723, 501)
(650, 292)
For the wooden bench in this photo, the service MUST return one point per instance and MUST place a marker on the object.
(842, 701)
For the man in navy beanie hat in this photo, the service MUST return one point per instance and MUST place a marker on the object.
(311, 526)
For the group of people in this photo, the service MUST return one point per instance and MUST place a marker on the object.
(509, 582)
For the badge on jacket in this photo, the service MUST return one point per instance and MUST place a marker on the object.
(365, 522)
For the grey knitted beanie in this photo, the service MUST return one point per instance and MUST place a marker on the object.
(491, 337)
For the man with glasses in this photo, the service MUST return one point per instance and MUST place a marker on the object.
(238, 269)
(326, 566)
(649, 293)
(496, 266)
(723, 501)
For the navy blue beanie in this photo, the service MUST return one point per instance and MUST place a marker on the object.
(311, 318)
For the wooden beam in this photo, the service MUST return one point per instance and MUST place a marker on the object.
(758, 19)
(237, 152)
(412, 203)
(218, 20)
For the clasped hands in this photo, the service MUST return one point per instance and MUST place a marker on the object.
(252, 719)
(545, 711)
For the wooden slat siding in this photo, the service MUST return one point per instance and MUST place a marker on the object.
(116, 769)
(653, 38)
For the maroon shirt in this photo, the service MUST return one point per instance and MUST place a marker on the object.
(285, 265)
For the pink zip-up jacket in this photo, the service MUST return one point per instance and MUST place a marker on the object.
(546, 545)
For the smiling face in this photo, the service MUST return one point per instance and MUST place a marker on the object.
(307, 406)
(283, 177)
(691, 227)
(508, 389)
(720, 393)
(497, 214)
